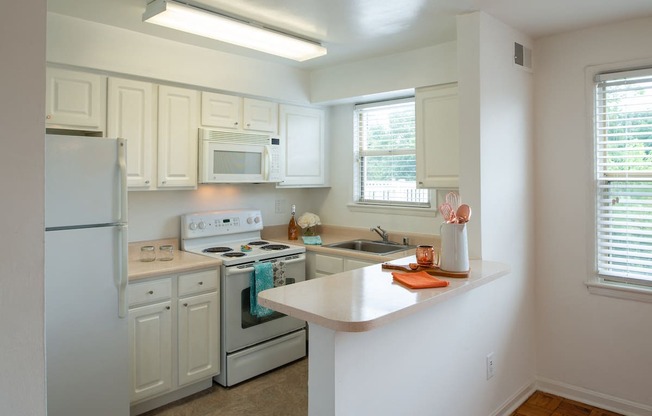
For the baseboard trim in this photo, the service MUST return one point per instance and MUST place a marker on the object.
(593, 398)
(517, 399)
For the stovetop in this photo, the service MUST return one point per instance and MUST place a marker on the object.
(232, 236)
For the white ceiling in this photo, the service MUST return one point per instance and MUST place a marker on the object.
(358, 29)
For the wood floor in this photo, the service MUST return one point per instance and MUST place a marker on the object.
(544, 404)
(284, 392)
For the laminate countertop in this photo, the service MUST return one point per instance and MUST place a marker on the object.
(363, 299)
(181, 262)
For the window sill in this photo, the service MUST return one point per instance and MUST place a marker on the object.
(620, 291)
(393, 210)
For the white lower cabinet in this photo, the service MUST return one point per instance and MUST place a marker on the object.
(173, 335)
(150, 331)
(319, 265)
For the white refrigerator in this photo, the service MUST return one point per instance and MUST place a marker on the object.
(87, 352)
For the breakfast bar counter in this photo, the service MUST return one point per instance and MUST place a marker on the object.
(379, 348)
(363, 299)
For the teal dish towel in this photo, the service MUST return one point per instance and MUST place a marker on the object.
(313, 240)
(261, 279)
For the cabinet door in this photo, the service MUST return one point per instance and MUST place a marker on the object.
(73, 100)
(260, 115)
(131, 116)
(305, 159)
(150, 338)
(437, 137)
(178, 123)
(221, 110)
(198, 323)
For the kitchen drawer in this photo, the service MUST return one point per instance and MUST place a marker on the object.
(149, 292)
(203, 281)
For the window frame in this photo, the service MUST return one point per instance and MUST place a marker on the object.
(402, 207)
(597, 284)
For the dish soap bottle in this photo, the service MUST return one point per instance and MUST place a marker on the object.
(293, 230)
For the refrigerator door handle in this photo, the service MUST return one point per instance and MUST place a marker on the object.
(122, 163)
(122, 275)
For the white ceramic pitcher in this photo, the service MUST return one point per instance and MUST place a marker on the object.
(454, 248)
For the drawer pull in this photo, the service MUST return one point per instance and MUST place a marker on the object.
(151, 292)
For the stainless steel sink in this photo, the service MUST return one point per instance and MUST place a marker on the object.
(368, 246)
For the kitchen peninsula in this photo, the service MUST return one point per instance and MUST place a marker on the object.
(374, 343)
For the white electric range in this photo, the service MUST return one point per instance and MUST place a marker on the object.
(249, 344)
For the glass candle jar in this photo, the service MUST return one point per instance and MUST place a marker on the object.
(147, 253)
(425, 255)
(166, 252)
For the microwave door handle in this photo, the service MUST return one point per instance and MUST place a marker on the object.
(268, 162)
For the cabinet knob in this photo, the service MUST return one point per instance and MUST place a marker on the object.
(201, 283)
(146, 182)
(151, 292)
(163, 182)
(248, 124)
(185, 304)
(235, 124)
(167, 307)
(48, 117)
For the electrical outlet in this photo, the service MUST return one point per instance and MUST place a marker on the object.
(280, 205)
(491, 365)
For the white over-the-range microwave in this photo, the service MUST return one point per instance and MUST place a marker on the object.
(239, 157)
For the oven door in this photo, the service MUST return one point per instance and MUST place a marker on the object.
(241, 329)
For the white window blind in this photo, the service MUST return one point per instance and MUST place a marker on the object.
(623, 161)
(386, 155)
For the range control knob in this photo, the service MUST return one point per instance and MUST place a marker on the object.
(257, 220)
(201, 225)
(192, 226)
(250, 220)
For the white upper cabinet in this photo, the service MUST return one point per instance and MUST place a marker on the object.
(233, 112)
(305, 159)
(131, 115)
(437, 130)
(221, 110)
(260, 115)
(178, 123)
(74, 100)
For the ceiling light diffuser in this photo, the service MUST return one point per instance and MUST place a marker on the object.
(215, 26)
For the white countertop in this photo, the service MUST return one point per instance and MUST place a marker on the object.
(363, 299)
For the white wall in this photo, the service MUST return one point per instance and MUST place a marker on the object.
(402, 71)
(81, 43)
(154, 215)
(496, 178)
(22, 109)
(588, 344)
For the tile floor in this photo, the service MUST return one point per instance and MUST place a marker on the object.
(284, 392)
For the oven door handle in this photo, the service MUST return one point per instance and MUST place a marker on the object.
(237, 269)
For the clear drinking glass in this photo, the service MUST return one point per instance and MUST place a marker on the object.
(166, 252)
(147, 253)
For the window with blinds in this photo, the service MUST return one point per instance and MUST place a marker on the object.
(385, 148)
(623, 161)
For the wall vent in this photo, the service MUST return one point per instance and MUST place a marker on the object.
(522, 56)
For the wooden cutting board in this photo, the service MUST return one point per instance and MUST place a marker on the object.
(433, 270)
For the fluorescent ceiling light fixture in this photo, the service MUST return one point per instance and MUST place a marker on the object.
(215, 26)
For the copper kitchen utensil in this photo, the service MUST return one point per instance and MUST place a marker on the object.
(463, 213)
(453, 199)
(447, 212)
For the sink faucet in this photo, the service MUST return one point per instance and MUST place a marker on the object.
(382, 233)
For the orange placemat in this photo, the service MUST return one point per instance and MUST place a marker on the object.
(418, 280)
